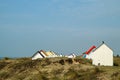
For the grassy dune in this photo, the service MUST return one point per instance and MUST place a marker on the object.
(56, 69)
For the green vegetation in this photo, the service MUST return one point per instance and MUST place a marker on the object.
(57, 69)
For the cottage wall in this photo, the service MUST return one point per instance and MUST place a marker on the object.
(103, 56)
(37, 56)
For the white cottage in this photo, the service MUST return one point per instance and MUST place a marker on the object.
(71, 56)
(43, 54)
(102, 55)
(39, 54)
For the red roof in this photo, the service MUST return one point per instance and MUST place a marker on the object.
(90, 49)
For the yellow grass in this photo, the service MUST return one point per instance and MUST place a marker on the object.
(57, 69)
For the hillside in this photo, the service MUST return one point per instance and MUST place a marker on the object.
(56, 69)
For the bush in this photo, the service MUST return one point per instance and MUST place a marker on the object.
(116, 64)
(69, 60)
(6, 58)
(116, 61)
(62, 62)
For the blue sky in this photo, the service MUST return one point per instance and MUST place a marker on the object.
(63, 26)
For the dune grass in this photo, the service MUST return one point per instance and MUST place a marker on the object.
(57, 69)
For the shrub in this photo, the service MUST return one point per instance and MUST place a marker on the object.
(117, 55)
(116, 61)
(6, 58)
(62, 62)
(69, 60)
(116, 64)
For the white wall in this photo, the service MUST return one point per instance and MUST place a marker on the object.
(36, 56)
(103, 55)
(43, 54)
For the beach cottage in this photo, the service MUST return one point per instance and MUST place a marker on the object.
(43, 54)
(102, 55)
(39, 54)
(71, 56)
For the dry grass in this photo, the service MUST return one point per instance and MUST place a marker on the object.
(56, 69)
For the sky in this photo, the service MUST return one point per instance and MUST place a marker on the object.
(62, 26)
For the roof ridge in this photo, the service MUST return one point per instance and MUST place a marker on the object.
(101, 45)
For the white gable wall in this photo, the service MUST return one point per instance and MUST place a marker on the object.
(37, 56)
(43, 54)
(103, 56)
(89, 56)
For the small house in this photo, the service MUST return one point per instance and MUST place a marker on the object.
(43, 54)
(71, 56)
(102, 55)
(39, 54)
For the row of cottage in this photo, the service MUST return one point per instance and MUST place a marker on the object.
(49, 54)
(101, 55)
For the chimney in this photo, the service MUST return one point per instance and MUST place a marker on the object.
(103, 42)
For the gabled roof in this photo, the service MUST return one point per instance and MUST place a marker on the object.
(90, 49)
(45, 54)
(35, 53)
(100, 46)
(41, 54)
(38, 52)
